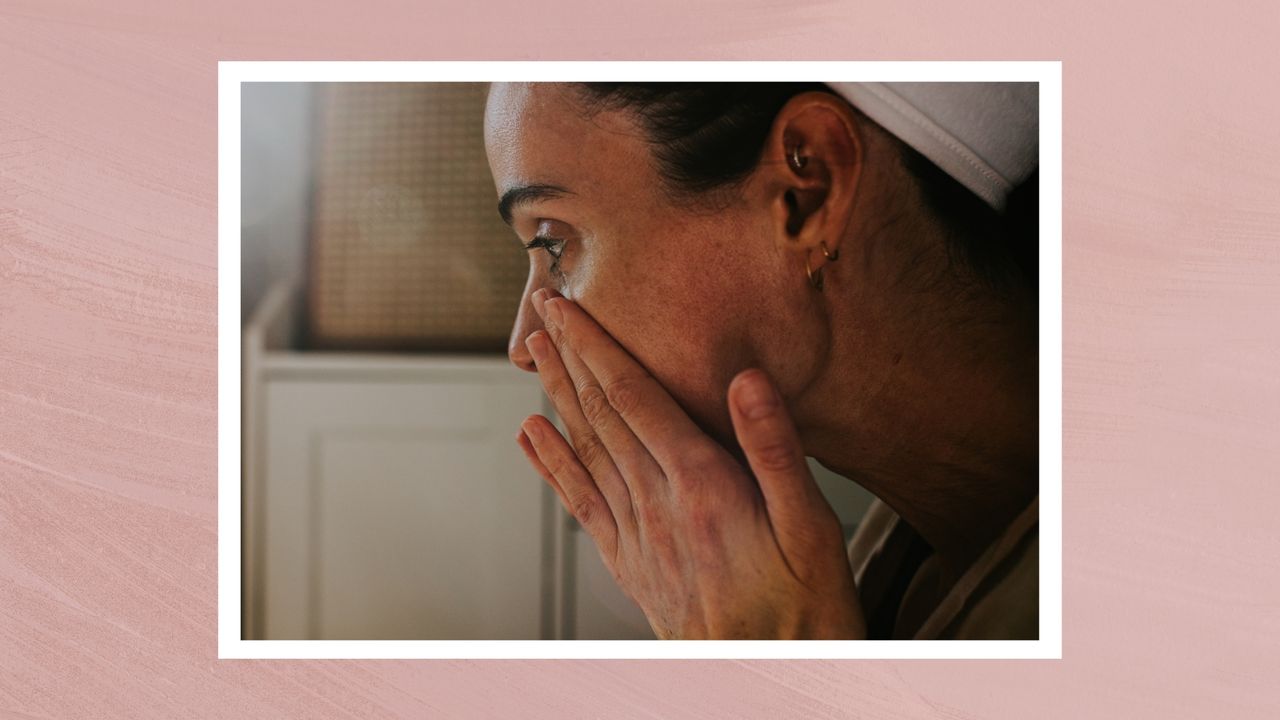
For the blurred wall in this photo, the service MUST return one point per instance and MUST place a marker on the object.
(275, 173)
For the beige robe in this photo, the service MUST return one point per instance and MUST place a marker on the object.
(997, 598)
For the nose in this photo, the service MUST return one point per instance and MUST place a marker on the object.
(527, 323)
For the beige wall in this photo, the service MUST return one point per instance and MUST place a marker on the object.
(275, 178)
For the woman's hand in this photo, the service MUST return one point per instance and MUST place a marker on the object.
(707, 549)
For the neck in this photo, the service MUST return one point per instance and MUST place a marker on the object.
(944, 418)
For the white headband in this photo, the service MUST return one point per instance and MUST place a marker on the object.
(985, 135)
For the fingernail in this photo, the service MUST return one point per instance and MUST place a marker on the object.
(539, 300)
(530, 428)
(554, 314)
(758, 399)
(537, 344)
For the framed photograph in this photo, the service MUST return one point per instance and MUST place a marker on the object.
(640, 360)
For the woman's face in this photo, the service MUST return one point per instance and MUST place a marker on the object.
(695, 296)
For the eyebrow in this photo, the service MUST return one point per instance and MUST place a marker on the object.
(525, 194)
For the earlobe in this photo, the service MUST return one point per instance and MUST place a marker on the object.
(816, 276)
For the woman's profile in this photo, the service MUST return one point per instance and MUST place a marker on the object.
(727, 277)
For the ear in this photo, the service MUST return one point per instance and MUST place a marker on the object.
(812, 205)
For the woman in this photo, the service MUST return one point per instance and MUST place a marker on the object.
(725, 278)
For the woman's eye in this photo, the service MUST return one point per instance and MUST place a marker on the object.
(553, 246)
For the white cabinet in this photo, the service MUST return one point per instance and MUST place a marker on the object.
(398, 505)
(386, 497)
(599, 608)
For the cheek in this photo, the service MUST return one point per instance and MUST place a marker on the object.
(675, 327)
(693, 305)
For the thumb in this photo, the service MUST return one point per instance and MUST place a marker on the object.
(801, 517)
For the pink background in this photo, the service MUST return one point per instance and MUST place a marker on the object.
(108, 198)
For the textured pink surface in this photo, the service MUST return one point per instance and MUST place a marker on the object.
(108, 359)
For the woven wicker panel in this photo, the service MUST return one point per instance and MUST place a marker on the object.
(407, 249)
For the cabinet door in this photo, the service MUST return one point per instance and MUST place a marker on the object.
(403, 510)
(601, 611)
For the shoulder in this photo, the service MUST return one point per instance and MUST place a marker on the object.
(999, 596)
(1006, 604)
(869, 536)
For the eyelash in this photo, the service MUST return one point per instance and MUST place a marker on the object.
(553, 246)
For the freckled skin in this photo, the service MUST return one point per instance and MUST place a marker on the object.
(901, 374)
(694, 296)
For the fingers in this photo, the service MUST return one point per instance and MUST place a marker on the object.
(639, 470)
(555, 460)
(592, 452)
(645, 407)
(522, 439)
(797, 510)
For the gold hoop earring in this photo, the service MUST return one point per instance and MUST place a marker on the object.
(830, 256)
(815, 276)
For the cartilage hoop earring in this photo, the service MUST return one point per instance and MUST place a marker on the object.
(832, 256)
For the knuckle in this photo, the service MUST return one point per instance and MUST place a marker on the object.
(775, 456)
(584, 508)
(624, 394)
(590, 450)
(560, 393)
(595, 404)
(558, 465)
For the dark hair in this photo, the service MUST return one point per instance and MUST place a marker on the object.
(709, 137)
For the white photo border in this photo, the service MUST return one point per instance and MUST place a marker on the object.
(230, 77)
